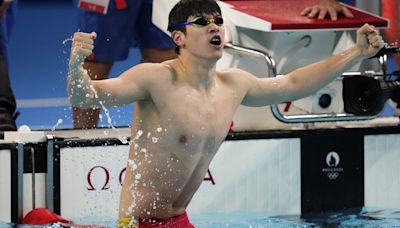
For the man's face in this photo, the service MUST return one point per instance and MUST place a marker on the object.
(205, 38)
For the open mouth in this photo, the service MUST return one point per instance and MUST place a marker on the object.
(216, 40)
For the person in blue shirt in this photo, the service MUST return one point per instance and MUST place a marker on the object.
(126, 24)
(7, 98)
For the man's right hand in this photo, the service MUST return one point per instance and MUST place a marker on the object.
(82, 46)
(330, 7)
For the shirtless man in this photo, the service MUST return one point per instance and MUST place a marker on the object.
(186, 104)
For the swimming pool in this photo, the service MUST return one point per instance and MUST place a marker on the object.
(367, 217)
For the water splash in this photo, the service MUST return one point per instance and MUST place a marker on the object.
(123, 139)
(67, 40)
(139, 133)
(59, 121)
(132, 164)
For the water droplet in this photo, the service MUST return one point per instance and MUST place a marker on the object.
(132, 164)
(66, 40)
(59, 121)
(276, 84)
(139, 133)
(123, 139)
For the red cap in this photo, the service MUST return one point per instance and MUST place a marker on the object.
(42, 216)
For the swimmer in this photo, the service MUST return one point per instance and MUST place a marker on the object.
(187, 105)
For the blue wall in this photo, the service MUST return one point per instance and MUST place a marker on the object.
(38, 57)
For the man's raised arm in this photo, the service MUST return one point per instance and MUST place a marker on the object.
(80, 89)
(86, 93)
(307, 80)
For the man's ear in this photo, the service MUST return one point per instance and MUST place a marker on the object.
(178, 37)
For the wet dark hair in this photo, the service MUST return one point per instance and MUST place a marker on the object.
(186, 8)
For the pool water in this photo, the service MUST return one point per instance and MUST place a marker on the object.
(367, 217)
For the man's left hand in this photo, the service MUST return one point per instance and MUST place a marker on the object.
(369, 41)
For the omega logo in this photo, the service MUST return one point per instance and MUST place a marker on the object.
(106, 178)
(106, 186)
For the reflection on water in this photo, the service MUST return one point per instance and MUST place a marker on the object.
(366, 217)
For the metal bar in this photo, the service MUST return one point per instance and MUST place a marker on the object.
(308, 118)
(257, 53)
(33, 178)
(50, 173)
(20, 168)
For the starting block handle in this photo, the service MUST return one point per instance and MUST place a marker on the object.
(312, 118)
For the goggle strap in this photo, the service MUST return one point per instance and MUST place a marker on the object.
(215, 20)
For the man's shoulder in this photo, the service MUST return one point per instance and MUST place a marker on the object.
(152, 70)
(231, 73)
(163, 67)
(235, 77)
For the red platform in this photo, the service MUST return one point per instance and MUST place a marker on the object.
(285, 15)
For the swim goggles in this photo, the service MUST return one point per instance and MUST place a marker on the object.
(199, 22)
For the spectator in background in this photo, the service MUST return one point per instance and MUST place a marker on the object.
(388, 9)
(7, 99)
(391, 10)
(327, 7)
(125, 24)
